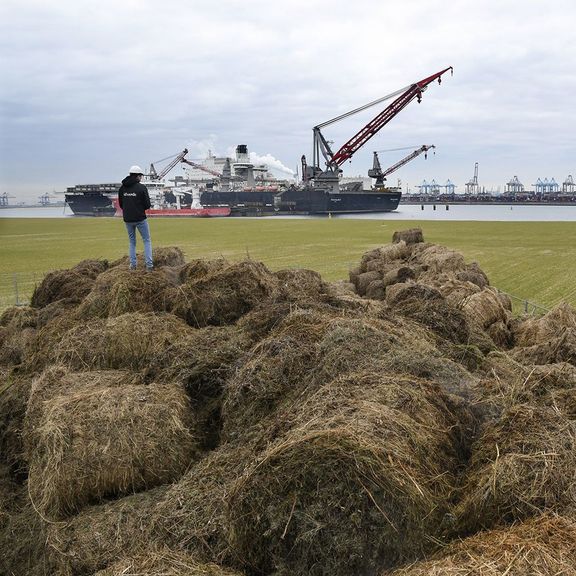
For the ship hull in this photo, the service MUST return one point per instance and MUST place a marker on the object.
(202, 212)
(305, 200)
(90, 204)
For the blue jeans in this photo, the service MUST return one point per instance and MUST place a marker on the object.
(142, 227)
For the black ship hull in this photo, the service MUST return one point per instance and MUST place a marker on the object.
(306, 200)
(85, 204)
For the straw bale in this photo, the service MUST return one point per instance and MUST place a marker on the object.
(50, 312)
(199, 268)
(98, 536)
(540, 546)
(223, 296)
(427, 306)
(119, 291)
(507, 382)
(23, 549)
(401, 274)
(302, 286)
(362, 479)
(14, 393)
(192, 515)
(365, 279)
(14, 345)
(91, 268)
(540, 330)
(440, 259)
(19, 317)
(500, 333)
(455, 291)
(80, 425)
(162, 256)
(473, 273)
(353, 274)
(410, 236)
(164, 562)
(130, 341)
(69, 284)
(485, 308)
(376, 290)
(558, 348)
(520, 467)
(385, 254)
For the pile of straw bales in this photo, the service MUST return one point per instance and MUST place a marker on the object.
(219, 419)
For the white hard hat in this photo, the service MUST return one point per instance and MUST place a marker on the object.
(136, 170)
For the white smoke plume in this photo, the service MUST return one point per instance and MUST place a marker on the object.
(272, 163)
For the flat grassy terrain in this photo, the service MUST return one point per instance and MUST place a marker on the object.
(533, 261)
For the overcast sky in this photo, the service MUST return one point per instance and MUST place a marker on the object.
(90, 87)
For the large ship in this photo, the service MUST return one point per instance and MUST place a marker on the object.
(242, 187)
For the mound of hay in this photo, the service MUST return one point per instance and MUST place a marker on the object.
(302, 286)
(164, 562)
(98, 536)
(80, 425)
(71, 284)
(19, 317)
(162, 256)
(14, 344)
(485, 308)
(559, 348)
(119, 291)
(192, 514)
(223, 296)
(520, 467)
(410, 236)
(130, 341)
(532, 331)
(378, 258)
(23, 550)
(362, 479)
(438, 259)
(14, 393)
(541, 546)
(199, 268)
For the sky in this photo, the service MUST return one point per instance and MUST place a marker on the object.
(89, 88)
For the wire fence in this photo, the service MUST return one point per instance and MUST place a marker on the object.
(16, 289)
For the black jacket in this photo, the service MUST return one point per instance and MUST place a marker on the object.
(133, 199)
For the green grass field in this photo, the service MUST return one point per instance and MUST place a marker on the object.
(533, 261)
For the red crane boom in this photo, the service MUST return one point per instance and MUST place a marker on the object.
(334, 161)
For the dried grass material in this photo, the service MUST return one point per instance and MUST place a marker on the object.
(365, 279)
(386, 254)
(474, 274)
(91, 268)
(438, 258)
(98, 535)
(485, 308)
(362, 479)
(130, 341)
(62, 284)
(14, 345)
(455, 291)
(19, 317)
(531, 331)
(162, 256)
(539, 547)
(560, 348)
(89, 435)
(119, 291)
(376, 290)
(303, 287)
(225, 295)
(199, 268)
(192, 515)
(520, 467)
(23, 550)
(500, 333)
(164, 562)
(410, 236)
(14, 393)
(428, 307)
(506, 382)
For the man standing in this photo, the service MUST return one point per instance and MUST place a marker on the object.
(134, 201)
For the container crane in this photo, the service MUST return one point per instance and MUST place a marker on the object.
(380, 175)
(153, 175)
(321, 147)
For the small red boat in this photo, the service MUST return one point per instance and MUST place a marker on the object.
(190, 212)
